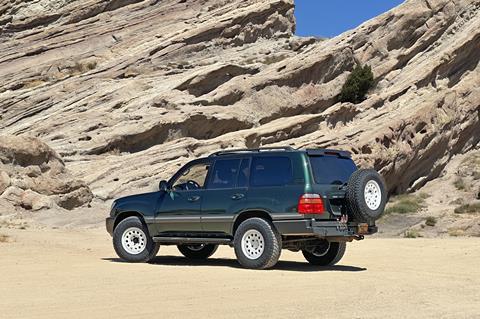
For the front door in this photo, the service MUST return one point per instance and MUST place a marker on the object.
(180, 209)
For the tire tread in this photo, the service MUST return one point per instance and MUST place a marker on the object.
(275, 247)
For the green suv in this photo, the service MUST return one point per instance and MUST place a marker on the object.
(258, 201)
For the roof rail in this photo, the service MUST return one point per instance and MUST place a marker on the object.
(252, 150)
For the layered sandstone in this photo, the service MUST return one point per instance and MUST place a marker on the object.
(126, 91)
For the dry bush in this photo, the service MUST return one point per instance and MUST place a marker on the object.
(455, 232)
(460, 184)
(4, 238)
(82, 67)
(271, 59)
(412, 233)
(33, 83)
(430, 221)
(472, 208)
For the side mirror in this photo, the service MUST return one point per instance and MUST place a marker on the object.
(163, 185)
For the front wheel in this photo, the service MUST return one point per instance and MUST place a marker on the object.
(325, 253)
(257, 244)
(197, 251)
(132, 241)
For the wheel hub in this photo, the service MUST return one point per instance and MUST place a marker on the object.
(373, 195)
(253, 244)
(134, 240)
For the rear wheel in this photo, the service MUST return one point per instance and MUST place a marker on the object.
(132, 241)
(257, 244)
(197, 251)
(325, 253)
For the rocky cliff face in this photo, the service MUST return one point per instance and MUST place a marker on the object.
(126, 91)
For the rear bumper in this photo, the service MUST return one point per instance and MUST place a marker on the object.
(327, 228)
(109, 225)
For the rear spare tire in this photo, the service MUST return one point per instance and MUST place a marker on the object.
(366, 195)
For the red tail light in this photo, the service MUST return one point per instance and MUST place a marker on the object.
(310, 204)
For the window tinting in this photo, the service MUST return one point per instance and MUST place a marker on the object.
(243, 173)
(271, 171)
(224, 174)
(331, 169)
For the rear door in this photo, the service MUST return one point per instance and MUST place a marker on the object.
(274, 186)
(226, 193)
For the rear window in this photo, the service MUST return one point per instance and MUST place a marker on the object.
(224, 174)
(331, 169)
(271, 171)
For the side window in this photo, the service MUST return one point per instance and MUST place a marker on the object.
(243, 173)
(271, 171)
(192, 178)
(224, 174)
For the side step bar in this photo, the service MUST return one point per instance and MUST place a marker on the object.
(191, 240)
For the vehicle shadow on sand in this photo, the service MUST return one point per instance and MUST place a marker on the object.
(232, 263)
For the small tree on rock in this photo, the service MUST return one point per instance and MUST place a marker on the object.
(357, 85)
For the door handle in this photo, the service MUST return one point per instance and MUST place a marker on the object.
(193, 198)
(237, 196)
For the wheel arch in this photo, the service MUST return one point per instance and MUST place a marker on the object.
(259, 213)
(123, 215)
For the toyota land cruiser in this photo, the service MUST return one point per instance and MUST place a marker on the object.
(259, 201)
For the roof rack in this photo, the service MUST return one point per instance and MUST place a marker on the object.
(252, 150)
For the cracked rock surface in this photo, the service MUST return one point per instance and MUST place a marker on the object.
(126, 91)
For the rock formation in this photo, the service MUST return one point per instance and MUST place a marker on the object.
(32, 176)
(126, 91)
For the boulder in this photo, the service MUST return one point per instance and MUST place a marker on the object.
(34, 177)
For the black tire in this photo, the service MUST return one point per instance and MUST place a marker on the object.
(270, 244)
(197, 251)
(135, 227)
(356, 188)
(330, 257)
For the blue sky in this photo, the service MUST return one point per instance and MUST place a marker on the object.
(328, 18)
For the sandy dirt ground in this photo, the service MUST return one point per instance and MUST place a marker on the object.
(75, 274)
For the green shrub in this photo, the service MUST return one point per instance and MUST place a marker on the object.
(404, 204)
(357, 85)
(468, 209)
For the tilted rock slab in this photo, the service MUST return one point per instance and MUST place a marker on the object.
(127, 91)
